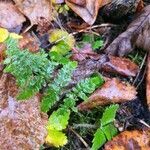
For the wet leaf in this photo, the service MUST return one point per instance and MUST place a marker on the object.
(137, 34)
(113, 91)
(130, 140)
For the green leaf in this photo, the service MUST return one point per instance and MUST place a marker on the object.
(109, 114)
(99, 139)
(97, 44)
(59, 119)
(110, 131)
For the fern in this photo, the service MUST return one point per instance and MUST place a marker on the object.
(55, 88)
(107, 129)
(30, 70)
(59, 119)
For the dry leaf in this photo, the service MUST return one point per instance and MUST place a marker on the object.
(130, 140)
(35, 10)
(86, 9)
(22, 126)
(137, 34)
(2, 51)
(113, 91)
(148, 82)
(10, 16)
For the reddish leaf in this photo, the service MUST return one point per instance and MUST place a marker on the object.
(131, 140)
(85, 52)
(113, 91)
(29, 42)
(122, 66)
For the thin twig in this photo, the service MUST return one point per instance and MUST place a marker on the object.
(83, 30)
(80, 138)
(141, 66)
(84, 126)
(144, 123)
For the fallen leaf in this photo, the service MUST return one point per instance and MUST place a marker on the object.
(10, 16)
(148, 83)
(122, 66)
(137, 34)
(29, 42)
(3, 34)
(112, 91)
(132, 140)
(86, 9)
(84, 53)
(36, 11)
(22, 125)
(87, 67)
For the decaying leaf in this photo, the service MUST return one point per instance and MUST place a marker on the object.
(35, 10)
(113, 91)
(2, 52)
(148, 83)
(29, 42)
(22, 125)
(137, 34)
(10, 16)
(86, 9)
(122, 66)
(132, 140)
(105, 63)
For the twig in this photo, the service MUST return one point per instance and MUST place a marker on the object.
(144, 123)
(141, 66)
(83, 30)
(80, 138)
(84, 126)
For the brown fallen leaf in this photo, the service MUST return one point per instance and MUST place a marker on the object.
(22, 125)
(122, 66)
(10, 16)
(29, 42)
(110, 64)
(137, 34)
(130, 140)
(84, 53)
(148, 83)
(87, 9)
(113, 91)
(36, 11)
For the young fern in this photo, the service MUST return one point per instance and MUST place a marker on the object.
(59, 119)
(31, 70)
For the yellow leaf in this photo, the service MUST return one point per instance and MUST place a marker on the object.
(62, 36)
(15, 36)
(3, 34)
(56, 138)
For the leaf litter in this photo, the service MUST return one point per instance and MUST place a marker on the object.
(93, 83)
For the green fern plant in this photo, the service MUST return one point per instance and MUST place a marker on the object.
(107, 130)
(31, 70)
(58, 120)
